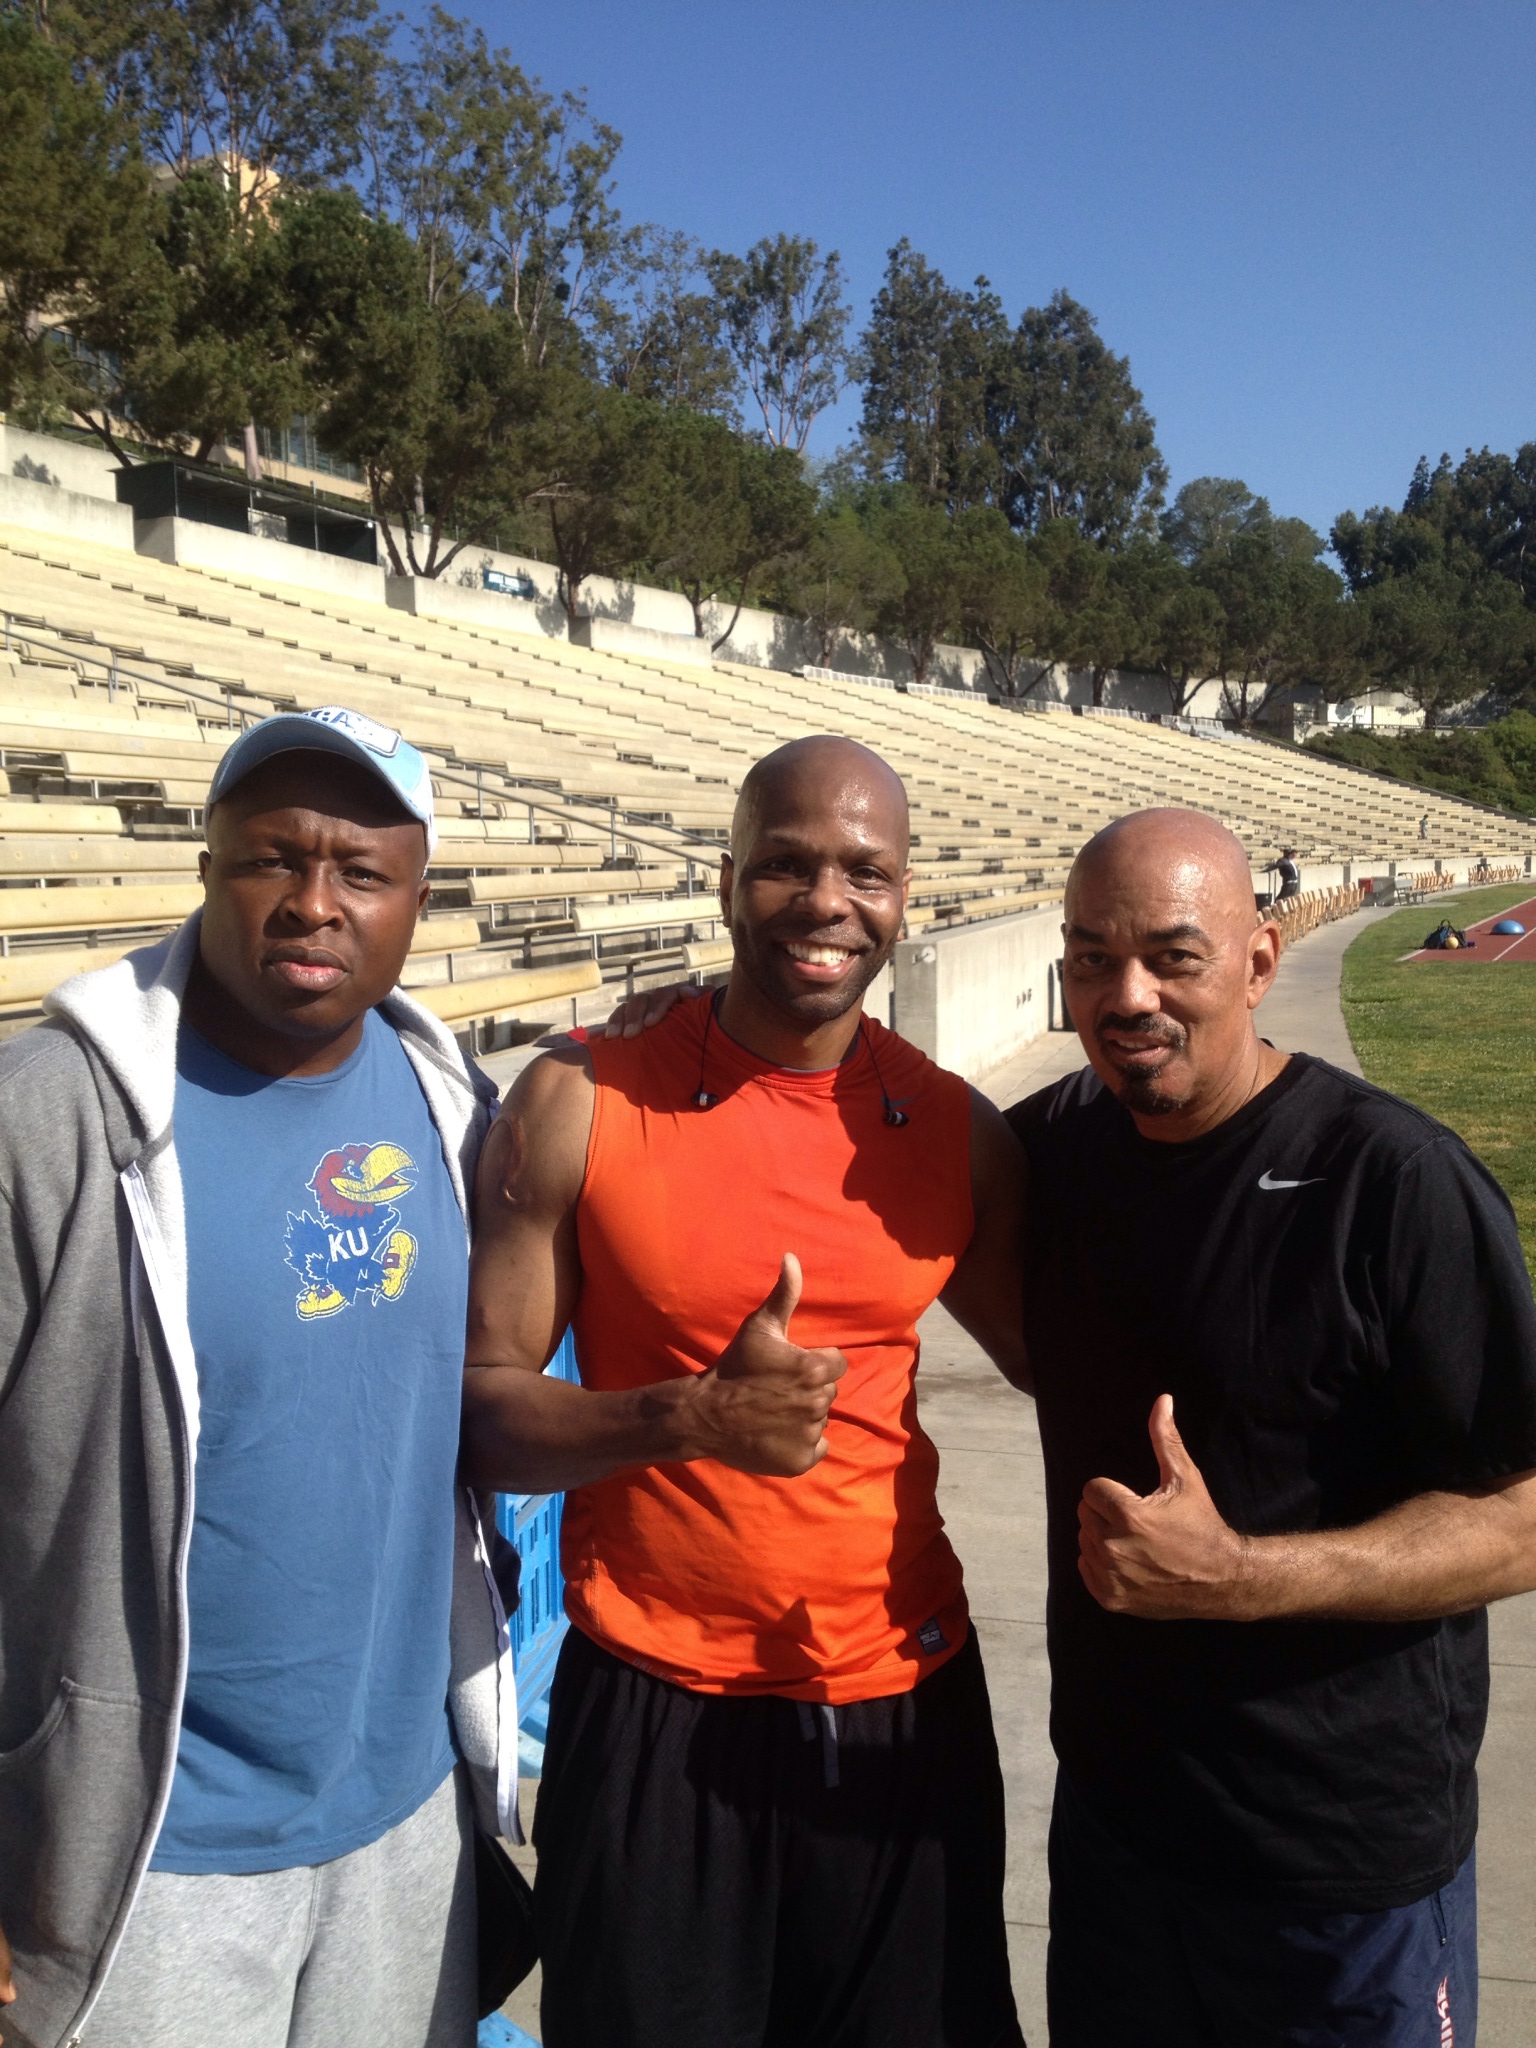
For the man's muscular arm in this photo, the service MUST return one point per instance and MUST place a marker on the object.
(1170, 1555)
(985, 1294)
(761, 1407)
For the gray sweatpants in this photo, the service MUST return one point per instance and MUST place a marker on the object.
(373, 1950)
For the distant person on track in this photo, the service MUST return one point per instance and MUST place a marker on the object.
(771, 1810)
(232, 1549)
(1286, 872)
(1283, 1345)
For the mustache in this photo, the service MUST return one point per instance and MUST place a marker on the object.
(1148, 1024)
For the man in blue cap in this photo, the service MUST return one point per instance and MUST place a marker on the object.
(253, 1661)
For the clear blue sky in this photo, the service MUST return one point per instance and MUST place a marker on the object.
(1310, 227)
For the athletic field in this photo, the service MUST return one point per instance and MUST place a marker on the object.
(1485, 945)
(1460, 1044)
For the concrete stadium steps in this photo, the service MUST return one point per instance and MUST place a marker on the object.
(27, 976)
(568, 883)
(580, 792)
(684, 702)
(501, 998)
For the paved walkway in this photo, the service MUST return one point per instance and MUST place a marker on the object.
(992, 1493)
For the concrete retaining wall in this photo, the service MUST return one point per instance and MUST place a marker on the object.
(623, 636)
(632, 604)
(196, 546)
(428, 597)
(49, 508)
(971, 998)
(761, 638)
(770, 640)
(49, 459)
(757, 637)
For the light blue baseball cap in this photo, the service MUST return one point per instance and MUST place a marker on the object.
(333, 729)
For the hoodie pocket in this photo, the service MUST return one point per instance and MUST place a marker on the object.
(41, 1736)
(75, 1797)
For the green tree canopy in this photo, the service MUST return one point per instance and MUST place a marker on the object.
(927, 357)
(924, 606)
(1074, 439)
(1283, 621)
(598, 449)
(841, 581)
(1445, 588)
(720, 511)
(1003, 596)
(437, 404)
(785, 320)
(1208, 515)
(1085, 623)
(81, 262)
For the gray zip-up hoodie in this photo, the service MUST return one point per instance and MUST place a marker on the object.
(98, 1442)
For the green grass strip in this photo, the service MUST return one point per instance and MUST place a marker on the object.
(1456, 1037)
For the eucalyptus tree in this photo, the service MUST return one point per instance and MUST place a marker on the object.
(784, 315)
(658, 331)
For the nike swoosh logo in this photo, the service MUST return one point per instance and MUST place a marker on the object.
(1269, 1184)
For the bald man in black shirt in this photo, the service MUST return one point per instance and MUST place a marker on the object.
(1284, 1351)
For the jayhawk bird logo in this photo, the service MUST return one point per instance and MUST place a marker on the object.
(355, 1248)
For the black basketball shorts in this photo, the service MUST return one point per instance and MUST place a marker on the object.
(755, 1873)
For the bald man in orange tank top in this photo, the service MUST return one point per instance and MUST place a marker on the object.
(771, 1813)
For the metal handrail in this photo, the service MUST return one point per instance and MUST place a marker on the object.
(59, 641)
(118, 672)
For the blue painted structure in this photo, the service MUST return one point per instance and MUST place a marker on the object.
(499, 2032)
(531, 1524)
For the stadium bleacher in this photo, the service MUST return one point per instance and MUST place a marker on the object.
(583, 796)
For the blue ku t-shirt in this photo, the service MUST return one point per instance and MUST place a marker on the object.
(327, 1280)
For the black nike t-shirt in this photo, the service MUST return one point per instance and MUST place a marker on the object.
(1332, 1289)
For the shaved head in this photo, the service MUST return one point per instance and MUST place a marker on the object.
(809, 775)
(814, 891)
(1166, 961)
(1186, 851)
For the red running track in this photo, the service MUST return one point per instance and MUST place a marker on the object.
(1488, 947)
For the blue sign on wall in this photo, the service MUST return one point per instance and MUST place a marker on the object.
(511, 583)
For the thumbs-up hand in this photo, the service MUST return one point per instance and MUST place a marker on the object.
(1168, 1555)
(763, 1405)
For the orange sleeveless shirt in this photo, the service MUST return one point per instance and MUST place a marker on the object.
(840, 1585)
